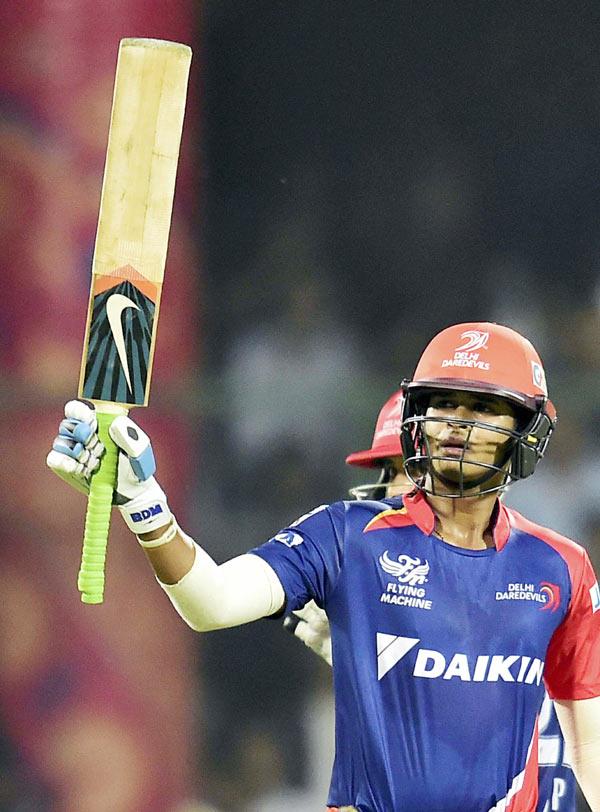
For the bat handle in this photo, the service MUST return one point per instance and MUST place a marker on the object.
(90, 581)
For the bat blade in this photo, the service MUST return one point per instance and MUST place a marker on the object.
(129, 260)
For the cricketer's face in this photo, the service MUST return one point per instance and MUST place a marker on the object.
(461, 448)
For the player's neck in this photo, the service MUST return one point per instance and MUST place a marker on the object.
(464, 522)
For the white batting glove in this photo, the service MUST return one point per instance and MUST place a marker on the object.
(76, 450)
(310, 625)
(76, 453)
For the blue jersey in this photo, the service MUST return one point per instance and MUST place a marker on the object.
(439, 652)
(556, 779)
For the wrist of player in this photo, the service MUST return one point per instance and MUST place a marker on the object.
(147, 512)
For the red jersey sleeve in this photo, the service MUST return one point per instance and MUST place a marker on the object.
(572, 668)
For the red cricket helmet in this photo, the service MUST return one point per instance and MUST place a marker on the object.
(386, 439)
(386, 444)
(484, 357)
(489, 359)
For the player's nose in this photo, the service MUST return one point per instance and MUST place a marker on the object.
(461, 412)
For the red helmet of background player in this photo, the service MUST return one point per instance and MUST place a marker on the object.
(490, 359)
(385, 446)
(386, 439)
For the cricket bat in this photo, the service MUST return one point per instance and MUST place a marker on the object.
(129, 262)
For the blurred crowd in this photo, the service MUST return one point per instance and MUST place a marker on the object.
(353, 182)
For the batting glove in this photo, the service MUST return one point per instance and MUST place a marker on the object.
(77, 449)
(76, 454)
(310, 625)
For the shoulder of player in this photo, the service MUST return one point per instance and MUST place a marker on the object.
(364, 507)
(372, 505)
(573, 553)
(339, 514)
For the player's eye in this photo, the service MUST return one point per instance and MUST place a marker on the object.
(483, 406)
(443, 403)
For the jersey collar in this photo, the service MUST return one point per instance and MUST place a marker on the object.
(423, 517)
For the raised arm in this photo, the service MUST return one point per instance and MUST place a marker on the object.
(211, 596)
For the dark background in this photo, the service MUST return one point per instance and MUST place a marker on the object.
(375, 172)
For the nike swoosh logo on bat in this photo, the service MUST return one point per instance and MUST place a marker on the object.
(115, 305)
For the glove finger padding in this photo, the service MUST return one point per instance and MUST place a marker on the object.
(69, 470)
(136, 444)
(76, 450)
(139, 498)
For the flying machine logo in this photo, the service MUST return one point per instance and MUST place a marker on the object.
(411, 574)
(465, 355)
(406, 569)
(548, 595)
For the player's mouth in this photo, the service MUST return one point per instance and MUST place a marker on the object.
(453, 447)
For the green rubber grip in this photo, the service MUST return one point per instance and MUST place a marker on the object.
(90, 581)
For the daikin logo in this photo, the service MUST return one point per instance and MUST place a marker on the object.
(432, 664)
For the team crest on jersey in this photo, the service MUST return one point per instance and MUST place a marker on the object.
(595, 596)
(389, 518)
(552, 593)
(546, 594)
(406, 569)
(408, 588)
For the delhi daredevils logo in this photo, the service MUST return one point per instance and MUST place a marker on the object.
(476, 340)
(552, 593)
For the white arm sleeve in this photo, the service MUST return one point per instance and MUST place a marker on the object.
(580, 724)
(212, 596)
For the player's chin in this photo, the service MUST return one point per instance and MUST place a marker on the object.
(461, 472)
